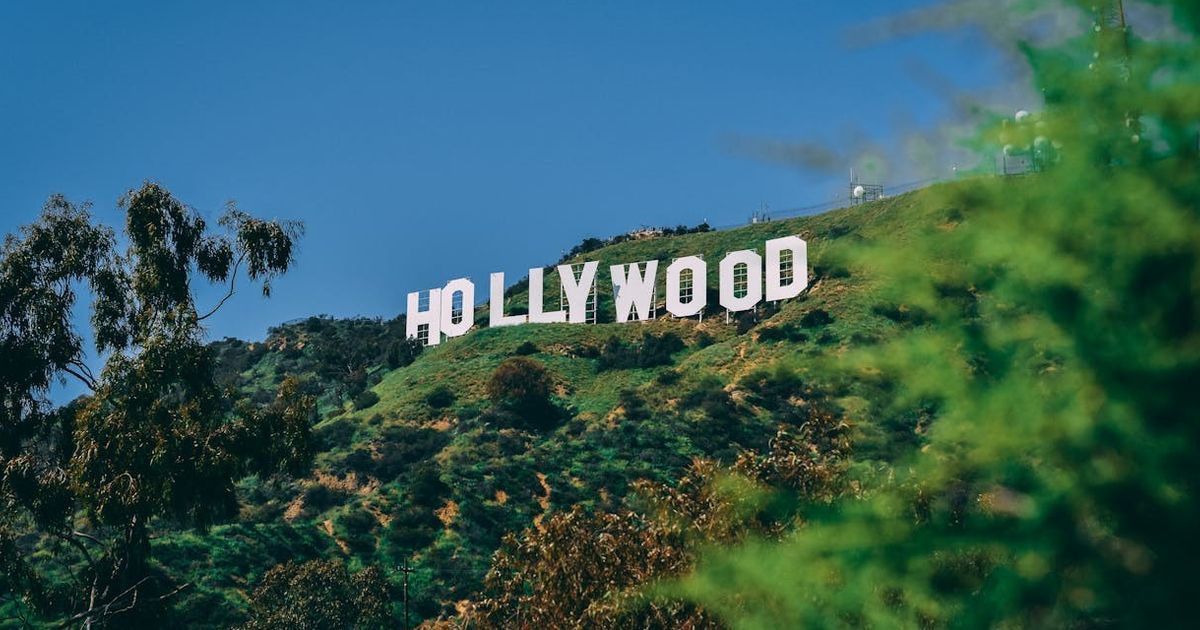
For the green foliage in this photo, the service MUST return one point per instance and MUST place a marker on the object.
(523, 389)
(652, 351)
(439, 480)
(1056, 357)
(402, 352)
(816, 318)
(321, 595)
(155, 437)
(440, 398)
(526, 348)
(402, 447)
(584, 568)
(365, 399)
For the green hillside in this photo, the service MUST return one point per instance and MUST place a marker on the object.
(980, 414)
(428, 473)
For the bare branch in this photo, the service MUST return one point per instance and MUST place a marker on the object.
(232, 285)
(91, 383)
(94, 613)
(87, 536)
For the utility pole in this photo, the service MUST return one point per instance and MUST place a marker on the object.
(405, 569)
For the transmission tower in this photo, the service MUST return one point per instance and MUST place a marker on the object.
(1112, 49)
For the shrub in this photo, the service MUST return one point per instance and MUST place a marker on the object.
(359, 527)
(652, 351)
(403, 352)
(526, 348)
(413, 527)
(519, 382)
(816, 318)
(357, 461)
(521, 391)
(657, 349)
(320, 594)
(616, 355)
(669, 377)
(336, 434)
(401, 447)
(771, 388)
(318, 498)
(782, 332)
(633, 404)
(365, 399)
(440, 398)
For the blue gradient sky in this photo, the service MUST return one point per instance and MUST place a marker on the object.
(426, 141)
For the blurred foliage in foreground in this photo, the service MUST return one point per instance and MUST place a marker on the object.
(1058, 484)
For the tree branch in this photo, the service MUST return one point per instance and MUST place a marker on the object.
(86, 536)
(232, 285)
(90, 382)
(94, 613)
(70, 540)
(83, 367)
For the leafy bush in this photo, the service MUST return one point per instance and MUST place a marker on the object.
(1056, 482)
(668, 377)
(657, 349)
(440, 397)
(402, 352)
(652, 351)
(336, 434)
(816, 318)
(521, 390)
(358, 525)
(633, 405)
(771, 387)
(365, 399)
(788, 332)
(525, 349)
(401, 447)
(519, 381)
(413, 527)
(320, 497)
(615, 354)
(320, 594)
(358, 461)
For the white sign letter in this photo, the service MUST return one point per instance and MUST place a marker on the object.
(753, 283)
(798, 281)
(699, 295)
(431, 317)
(536, 301)
(634, 290)
(496, 305)
(578, 291)
(465, 289)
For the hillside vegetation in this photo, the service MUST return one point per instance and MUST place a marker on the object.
(421, 467)
(980, 414)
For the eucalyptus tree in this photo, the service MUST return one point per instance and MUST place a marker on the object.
(155, 439)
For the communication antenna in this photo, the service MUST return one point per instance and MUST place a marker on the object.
(862, 193)
(1112, 48)
(762, 215)
(1026, 159)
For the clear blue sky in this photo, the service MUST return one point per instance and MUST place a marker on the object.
(422, 141)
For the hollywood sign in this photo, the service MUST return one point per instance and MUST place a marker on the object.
(745, 278)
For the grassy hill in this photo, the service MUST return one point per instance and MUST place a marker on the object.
(423, 471)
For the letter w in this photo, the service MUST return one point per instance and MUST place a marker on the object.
(633, 290)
